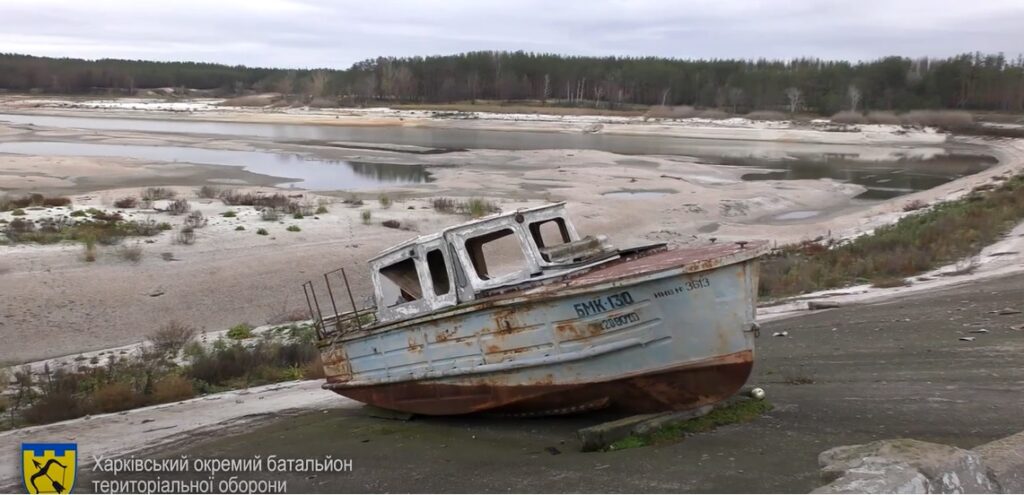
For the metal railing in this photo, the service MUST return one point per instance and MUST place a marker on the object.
(337, 322)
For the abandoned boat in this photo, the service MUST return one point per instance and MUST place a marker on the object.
(516, 313)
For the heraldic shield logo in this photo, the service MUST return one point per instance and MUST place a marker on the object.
(49, 467)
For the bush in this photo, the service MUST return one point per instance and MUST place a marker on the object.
(18, 213)
(297, 215)
(320, 210)
(885, 118)
(172, 337)
(270, 215)
(131, 253)
(366, 217)
(157, 193)
(178, 207)
(240, 227)
(667, 112)
(353, 201)
(35, 199)
(385, 201)
(186, 236)
(477, 207)
(262, 231)
(391, 224)
(766, 115)
(89, 250)
(944, 119)
(114, 397)
(127, 202)
(240, 331)
(78, 213)
(293, 228)
(913, 205)
(848, 117)
(196, 220)
(53, 407)
(229, 214)
(172, 388)
(209, 192)
(444, 205)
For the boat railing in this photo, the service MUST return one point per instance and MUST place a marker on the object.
(336, 322)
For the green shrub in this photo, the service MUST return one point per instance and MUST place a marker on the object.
(240, 331)
(293, 228)
(385, 201)
(229, 214)
(78, 213)
(321, 210)
(240, 227)
(262, 231)
(18, 212)
(297, 215)
(366, 217)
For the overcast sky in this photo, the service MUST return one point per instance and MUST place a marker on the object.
(322, 33)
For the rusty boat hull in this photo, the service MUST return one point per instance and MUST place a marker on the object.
(671, 330)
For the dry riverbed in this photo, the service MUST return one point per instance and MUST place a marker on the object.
(57, 304)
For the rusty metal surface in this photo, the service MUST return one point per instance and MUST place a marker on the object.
(688, 260)
(679, 388)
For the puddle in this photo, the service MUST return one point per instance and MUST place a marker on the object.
(301, 170)
(637, 194)
(797, 215)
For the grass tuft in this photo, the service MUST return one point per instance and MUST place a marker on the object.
(741, 411)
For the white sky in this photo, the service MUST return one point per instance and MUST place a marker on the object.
(322, 33)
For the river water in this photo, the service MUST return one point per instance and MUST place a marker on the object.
(895, 171)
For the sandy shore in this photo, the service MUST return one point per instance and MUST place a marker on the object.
(56, 304)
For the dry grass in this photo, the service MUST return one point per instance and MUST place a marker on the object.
(209, 192)
(917, 243)
(885, 118)
(944, 119)
(172, 388)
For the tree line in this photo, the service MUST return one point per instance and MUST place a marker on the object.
(969, 81)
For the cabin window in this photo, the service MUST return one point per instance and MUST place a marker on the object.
(400, 283)
(547, 233)
(496, 254)
(438, 272)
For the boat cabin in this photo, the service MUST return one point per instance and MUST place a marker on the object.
(479, 258)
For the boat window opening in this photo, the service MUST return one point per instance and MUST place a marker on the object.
(547, 233)
(438, 272)
(496, 254)
(400, 283)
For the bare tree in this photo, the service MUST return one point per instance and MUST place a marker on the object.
(854, 93)
(795, 97)
(318, 83)
(547, 89)
(664, 96)
(735, 98)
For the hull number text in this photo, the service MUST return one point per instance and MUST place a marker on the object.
(689, 285)
(600, 305)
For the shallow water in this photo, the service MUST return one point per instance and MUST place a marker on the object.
(886, 170)
(635, 194)
(302, 171)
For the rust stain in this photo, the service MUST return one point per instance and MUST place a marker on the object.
(336, 364)
(414, 347)
(568, 331)
(681, 388)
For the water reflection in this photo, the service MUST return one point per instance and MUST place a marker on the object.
(301, 170)
(884, 180)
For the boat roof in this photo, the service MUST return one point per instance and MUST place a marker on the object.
(476, 221)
